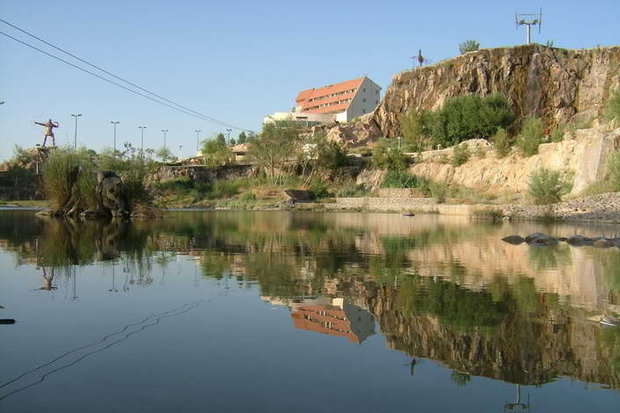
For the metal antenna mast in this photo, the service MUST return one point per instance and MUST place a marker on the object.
(528, 20)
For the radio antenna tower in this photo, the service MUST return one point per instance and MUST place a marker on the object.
(528, 20)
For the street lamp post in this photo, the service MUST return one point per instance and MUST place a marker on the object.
(165, 131)
(197, 139)
(113, 122)
(142, 140)
(76, 116)
(228, 130)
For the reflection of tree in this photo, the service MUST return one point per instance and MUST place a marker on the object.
(459, 378)
(550, 257)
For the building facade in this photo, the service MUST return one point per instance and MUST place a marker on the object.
(339, 102)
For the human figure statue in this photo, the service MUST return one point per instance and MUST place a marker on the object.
(47, 280)
(48, 131)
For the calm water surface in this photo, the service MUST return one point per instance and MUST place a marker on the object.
(304, 312)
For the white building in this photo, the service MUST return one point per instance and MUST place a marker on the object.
(339, 102)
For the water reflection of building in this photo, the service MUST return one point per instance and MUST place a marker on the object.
(332, 316)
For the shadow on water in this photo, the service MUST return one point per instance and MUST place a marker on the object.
(437, 288)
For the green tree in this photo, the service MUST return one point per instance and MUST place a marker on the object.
(165, 154)
(221, 138)
(242, 137)
(469, 46)
(278, 143)
(216, 154)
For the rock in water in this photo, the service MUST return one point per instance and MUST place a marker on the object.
(532, 237)
(579, 240)
(603, 243)
(514, 239)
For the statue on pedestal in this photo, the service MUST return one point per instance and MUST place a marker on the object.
(48, 131)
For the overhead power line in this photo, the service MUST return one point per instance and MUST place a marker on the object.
(166, 102)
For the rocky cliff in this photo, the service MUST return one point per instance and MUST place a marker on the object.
(554, 84)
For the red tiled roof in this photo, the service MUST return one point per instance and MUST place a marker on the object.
(328, 99)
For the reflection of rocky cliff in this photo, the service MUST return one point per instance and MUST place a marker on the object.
(499, 340)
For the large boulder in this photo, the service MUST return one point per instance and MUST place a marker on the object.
(111, 195)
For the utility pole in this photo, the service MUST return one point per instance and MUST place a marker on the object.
(114, 122)
(197, 139)
(76, 116)
(142, 140)
(165, 131)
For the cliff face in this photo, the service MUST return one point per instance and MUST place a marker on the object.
(554, 84)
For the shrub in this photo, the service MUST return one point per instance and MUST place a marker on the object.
(530, 137)
(460, 155)
(438, 191)
(224, 189)
(612, 111)
(613, 166)
(353, 192)
(557, 134)
(469, 46)
(502, 142)
(133, 169)
(491, 214)
(66, 171)
(546, 186)
(385, 155)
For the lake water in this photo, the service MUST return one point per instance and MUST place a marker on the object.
(304, 312)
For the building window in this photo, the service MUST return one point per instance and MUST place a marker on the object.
(364, 89)
(364, 100)
(363, 110)
(377, 92)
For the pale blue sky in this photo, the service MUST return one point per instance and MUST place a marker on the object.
(238, 61)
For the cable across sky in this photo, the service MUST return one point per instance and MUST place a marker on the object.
(154, 97)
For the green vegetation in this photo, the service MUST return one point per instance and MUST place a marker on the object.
(491, 214)
(216, 153)
(166, 155)
(547, 187)
(469, 46)
(460, 155)
(612, 111)
(502, 142)
(530, 137)
(613, 166)
(557, 134)
(387, 155)
(69, 179)
(461, 118)
(133, 168)
(275, 146)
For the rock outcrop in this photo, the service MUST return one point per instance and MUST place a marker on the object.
(554, 84)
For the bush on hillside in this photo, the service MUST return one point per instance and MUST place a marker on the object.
(469, 46)
(530, 137)
(547, 187)
(502, 142)
(461, 118)
(612, 110)
(386, 155)
(460, 155)
(613, 165)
